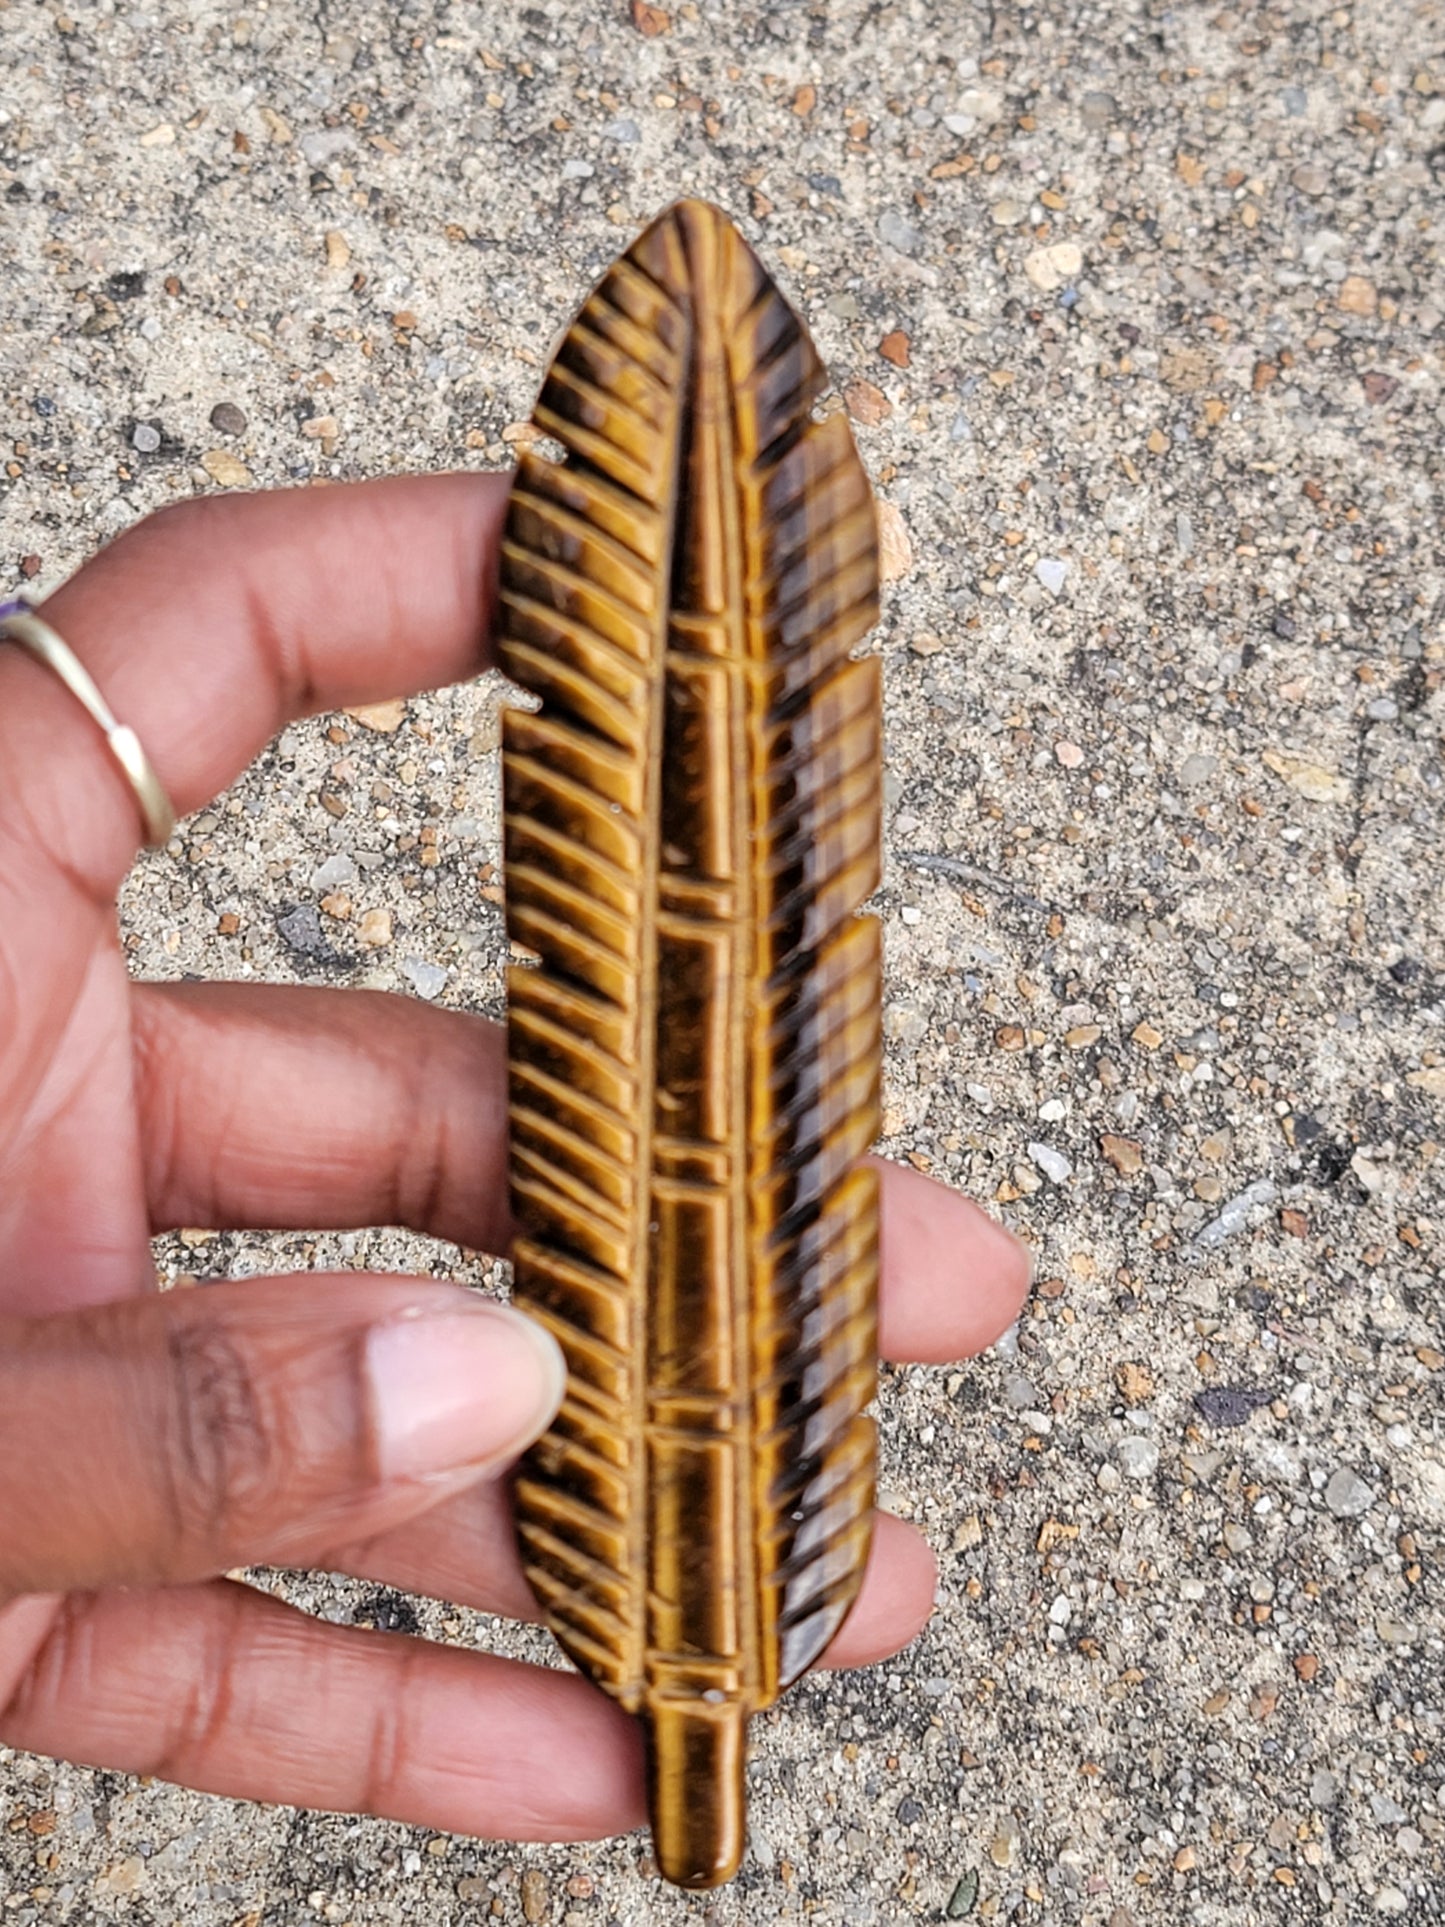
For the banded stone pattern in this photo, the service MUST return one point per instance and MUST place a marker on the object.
(692, 823)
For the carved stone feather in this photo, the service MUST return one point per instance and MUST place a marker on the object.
(691, 827)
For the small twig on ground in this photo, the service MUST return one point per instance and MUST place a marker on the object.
(959, 872)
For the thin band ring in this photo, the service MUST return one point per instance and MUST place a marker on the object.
(20, 624)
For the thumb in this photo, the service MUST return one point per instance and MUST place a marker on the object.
(171, 1437)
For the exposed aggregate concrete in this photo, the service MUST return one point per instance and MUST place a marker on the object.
(1138, 313)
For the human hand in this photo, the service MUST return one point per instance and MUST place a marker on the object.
(150, 1442)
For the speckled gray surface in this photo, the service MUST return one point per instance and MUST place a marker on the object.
(1138, 310)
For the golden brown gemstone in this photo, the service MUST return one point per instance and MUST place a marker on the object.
(691, 827)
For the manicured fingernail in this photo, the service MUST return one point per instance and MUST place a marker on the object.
(466, 1389)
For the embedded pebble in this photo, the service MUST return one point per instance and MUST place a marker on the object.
(225, 470)
(385, 717)
(426, 979)
(124, 1878)
(301, 928)
(335, 871)
(867, 403)
(1139, 1458)
(1052, 1163)
(962, 1898)
(535, 1895)
(1124, 1153)
(1347, 1494)
(980, 104)
(1196, 769)
(905, 1024)
(1311, 780)
(326, 144)
(1050, 268)
(145, 438)
(1223, 1406)
(1236, 1214)
(1007, 1346)
(1019, 1392)
(1003, 1849)
(895, 549)
(897, 232)
(1052, 572)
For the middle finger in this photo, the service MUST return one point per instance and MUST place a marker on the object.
(350, 1108)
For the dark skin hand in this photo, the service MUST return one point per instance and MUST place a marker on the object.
(151, 1442)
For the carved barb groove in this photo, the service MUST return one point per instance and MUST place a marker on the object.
(692, 822)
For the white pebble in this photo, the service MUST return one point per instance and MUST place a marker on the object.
(1139, 1458)
(1052, 1163)
(426, 979)
(334, 872)
(897, 232)
(1347, 1495)
(1234, 1216)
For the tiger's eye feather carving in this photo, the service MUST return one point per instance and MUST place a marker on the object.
(692, 824)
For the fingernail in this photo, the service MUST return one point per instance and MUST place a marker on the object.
(470, 1388)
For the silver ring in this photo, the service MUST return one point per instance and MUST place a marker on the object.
(19, 623)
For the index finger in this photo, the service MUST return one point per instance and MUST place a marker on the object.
(210, 626)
